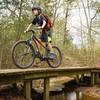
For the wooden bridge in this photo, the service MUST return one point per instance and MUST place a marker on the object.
(11, 76)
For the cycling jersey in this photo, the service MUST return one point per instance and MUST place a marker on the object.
(39, 20)
(46, 33)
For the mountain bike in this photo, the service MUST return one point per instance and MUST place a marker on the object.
(24, 53)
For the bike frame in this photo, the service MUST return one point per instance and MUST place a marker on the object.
(35, 39)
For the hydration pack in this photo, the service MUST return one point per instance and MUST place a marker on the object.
(49, 23)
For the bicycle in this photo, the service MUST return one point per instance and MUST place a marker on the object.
(24, 53)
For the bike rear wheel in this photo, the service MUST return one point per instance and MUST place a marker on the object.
(56, 62)
(22, 54)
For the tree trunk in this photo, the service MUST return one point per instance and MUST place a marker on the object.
(65, 26)
(19, 21)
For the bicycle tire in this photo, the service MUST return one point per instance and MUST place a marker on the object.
(59, 60)
(15, 60)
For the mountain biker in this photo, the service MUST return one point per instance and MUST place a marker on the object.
(44, 25)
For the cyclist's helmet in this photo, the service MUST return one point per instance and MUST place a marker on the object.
(38, 8)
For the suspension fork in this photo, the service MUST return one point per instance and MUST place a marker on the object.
(29, 42)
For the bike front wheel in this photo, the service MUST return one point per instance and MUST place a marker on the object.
(57, 59)
(22, 54)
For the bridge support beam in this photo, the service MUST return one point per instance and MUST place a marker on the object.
(46, 89)
(93, 76)
(97, 78)
(28, 87)
(77, 78)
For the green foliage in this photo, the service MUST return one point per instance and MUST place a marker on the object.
(15, 18)
(96, 6)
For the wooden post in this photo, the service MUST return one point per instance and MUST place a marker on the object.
(97, 77)
(77, 95)
(82, 77)
(28, 89)
(46, 89)
(92, 78)
(77, 78)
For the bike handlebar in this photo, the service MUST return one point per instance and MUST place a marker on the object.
(33, 30)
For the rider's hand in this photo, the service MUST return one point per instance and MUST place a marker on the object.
(25, 31)
(39, 27)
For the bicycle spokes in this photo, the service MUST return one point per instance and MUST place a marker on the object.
(22, 54)
(55, 58)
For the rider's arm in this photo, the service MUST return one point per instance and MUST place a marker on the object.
(43, 25)
(29, 27)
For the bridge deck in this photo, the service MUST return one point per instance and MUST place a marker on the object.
(24, 71)
(11, 76)
(16, 75)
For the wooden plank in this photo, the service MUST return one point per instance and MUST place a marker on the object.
(46, 89)
(26, 71)
(27, 85)
(17, 75)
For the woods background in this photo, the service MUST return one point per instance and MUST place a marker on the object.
(79, 43)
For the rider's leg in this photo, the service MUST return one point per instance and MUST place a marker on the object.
(49, 44)
(49, 40)
(46, 37)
